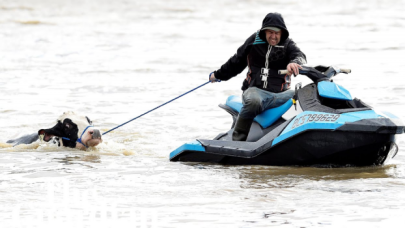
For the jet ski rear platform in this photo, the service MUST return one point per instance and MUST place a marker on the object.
(326, 127)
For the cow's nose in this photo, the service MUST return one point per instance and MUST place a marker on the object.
(95, 134)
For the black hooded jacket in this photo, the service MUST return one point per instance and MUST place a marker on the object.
(253, 55)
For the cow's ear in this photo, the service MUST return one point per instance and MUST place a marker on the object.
(46, 136)
(51, 132)
(69, 129)
(88, 120)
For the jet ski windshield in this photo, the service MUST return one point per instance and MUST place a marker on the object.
(334, 91)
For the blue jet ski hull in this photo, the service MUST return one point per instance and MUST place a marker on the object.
(307, 148)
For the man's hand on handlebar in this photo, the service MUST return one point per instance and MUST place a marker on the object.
(293, 68)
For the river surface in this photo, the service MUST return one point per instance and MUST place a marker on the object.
(114, 60)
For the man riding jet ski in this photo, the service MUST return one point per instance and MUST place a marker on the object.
(321, 125)
(264, 53)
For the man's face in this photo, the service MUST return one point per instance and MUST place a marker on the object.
(273, 37)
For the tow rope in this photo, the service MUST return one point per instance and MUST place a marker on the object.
(158, 106)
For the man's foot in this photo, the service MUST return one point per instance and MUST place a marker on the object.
(241, 130)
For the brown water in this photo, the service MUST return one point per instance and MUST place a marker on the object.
(113, 60)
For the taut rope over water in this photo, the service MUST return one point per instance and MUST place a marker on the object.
(156, 107)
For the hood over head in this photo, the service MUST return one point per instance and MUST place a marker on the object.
(274, 20)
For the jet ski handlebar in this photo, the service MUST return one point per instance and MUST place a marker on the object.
(319, 73)
(283, 72)
(346, 71)
(341, 70)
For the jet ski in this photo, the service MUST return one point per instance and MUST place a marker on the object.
(321, 125)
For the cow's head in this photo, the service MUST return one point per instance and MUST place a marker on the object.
(73, 131)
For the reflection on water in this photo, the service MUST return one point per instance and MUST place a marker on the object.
(290, 177)
(113, 60)
(266, 177)
(91, 158)
(316, 174)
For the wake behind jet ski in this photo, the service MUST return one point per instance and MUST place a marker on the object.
(321, 125)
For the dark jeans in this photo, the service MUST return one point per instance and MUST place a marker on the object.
(256, 100)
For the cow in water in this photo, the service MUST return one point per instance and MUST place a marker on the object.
(71, 130)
